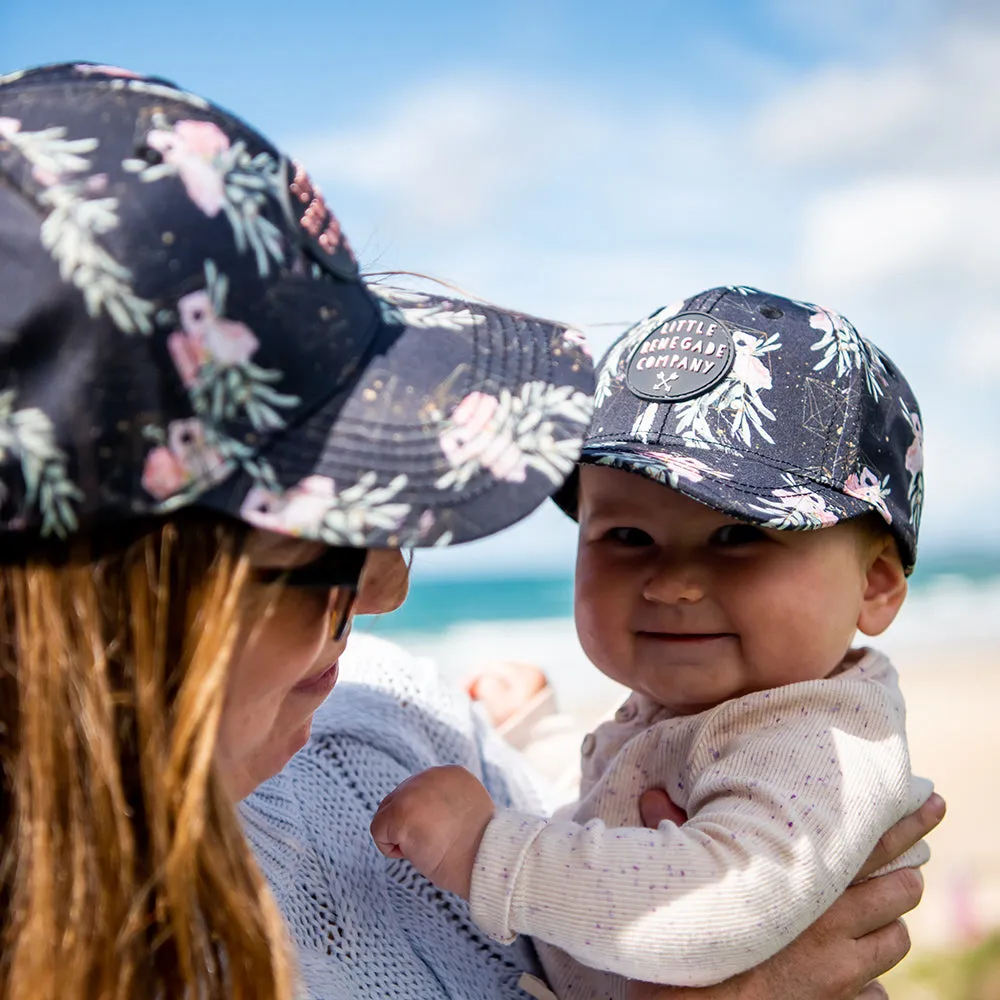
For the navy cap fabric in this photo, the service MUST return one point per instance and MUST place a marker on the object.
(182, 323)
(770, 410)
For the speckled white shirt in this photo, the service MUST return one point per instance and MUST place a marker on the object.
(787, 791)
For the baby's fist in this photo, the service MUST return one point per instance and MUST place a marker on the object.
(436, 820)
(505, 687)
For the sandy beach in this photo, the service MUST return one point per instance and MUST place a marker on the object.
(952, 695)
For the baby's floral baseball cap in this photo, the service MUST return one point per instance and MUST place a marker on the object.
(773, 411)
(183, 323)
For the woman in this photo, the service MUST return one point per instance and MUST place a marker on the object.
(214, 438)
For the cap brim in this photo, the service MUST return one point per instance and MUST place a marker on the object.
(733, 484)
(464, 418)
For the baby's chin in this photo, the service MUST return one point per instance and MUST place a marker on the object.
(685, 690)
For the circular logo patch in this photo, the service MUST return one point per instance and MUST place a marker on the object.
(685, 356)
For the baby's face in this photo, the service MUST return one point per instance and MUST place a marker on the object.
(692, 607)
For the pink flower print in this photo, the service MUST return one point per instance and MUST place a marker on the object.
(682, 466)
(202, 139)
(96, 184)
(193, 149)
(810, 505)
(469, 424)
(44, 177)
(298, 511)
(747, 367)
(317, 219)
(504, 459)
(822, 319)
(86, 69)
(162, 473)
(185, 458)
(915, 453)
(227, 341)
(475, 437)
(188, 356)
(186, 440)
(574, 338)
(867, 487)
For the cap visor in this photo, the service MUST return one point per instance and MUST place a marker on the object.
(463, 420)
(733, 484)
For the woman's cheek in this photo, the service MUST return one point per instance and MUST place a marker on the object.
(291, 638)
(384, 582)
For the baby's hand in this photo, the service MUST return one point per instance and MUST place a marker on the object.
(436, 820)
(503, 688)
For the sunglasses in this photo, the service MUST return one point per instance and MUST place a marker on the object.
(336, 569)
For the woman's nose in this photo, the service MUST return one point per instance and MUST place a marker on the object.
(675, 581)
(384, 582)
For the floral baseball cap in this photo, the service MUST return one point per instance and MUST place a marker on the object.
(182, 322)
(770, 410)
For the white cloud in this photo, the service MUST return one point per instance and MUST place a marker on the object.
(873, 187)
(979, 357)
(931, 108)
(861, 27)
(944, 227)
(446, 153)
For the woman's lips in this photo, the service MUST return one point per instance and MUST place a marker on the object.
(319, 683)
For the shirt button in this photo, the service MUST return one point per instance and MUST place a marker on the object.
(588, 745)
(627, 712)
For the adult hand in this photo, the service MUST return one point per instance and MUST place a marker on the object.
(858, 939)
(655, 806)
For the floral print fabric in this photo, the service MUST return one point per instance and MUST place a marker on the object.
(191, 292)
(811, 425)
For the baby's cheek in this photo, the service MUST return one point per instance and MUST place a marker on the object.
(801, 644)
(596, 639)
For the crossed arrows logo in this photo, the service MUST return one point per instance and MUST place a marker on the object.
(663, 380)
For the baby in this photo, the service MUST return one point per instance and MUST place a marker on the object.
(748, 499)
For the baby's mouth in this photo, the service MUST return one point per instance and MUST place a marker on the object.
(686, 637)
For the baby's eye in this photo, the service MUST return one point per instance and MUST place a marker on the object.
(632, 537)
(730, 535)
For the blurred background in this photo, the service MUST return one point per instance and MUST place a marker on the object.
(593, 163)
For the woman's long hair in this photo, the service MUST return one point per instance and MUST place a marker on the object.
(124, 871)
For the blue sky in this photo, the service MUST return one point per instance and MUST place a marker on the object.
(594, 162)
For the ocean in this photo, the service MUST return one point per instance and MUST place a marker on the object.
(436, 604)
(463, 622)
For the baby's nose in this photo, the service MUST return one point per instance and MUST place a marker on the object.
(676, 581)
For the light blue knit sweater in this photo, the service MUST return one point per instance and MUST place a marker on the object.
(367, 927)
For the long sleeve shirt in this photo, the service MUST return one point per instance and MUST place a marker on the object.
(787, 791)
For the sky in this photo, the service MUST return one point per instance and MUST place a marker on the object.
(593, 162)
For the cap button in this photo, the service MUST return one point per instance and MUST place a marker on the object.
(588, 745)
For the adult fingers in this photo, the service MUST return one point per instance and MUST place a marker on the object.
(879, 951)
(655, 806)
(907, 832)
(874, 904)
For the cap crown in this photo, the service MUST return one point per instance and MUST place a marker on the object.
(144, 342)
(797, 422)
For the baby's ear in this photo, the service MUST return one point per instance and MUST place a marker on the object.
(885, 586)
